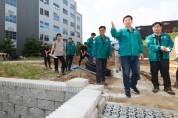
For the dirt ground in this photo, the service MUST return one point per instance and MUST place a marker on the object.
(114, 91)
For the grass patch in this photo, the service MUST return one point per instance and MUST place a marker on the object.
(33, 58)
(19, 70)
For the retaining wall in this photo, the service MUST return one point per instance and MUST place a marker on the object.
(21, 98)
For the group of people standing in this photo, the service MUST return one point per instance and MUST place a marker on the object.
(58, 50)
(98, 50)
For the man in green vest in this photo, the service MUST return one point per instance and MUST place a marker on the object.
(159, 46)
(131, 49)
(101, 51)
(90, 46)
(70, 52)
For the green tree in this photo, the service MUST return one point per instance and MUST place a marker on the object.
(32, 47)
(7, 46)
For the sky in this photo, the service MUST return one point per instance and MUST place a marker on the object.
(145, 12)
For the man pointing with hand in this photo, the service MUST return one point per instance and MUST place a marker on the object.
(131, 49)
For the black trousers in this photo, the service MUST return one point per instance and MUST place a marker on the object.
(69, 59)
(61, 58)
(47, 61)
(82, 57)
(100, 70)
(163, 66)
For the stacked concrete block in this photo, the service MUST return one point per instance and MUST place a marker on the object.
(101, 105)
(82, 105)
(20, 98)
(95, 87)
(77, 82)
(95, 114)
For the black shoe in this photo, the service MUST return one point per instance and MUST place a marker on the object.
(155, 89)
(169, 91)
(128, 95)
(57, 72)
(136, 90)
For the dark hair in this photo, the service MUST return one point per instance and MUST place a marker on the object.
(128, 16)
(155, 23)
(85, 42)
(93, 34)
(70, 38)
(102, 27)
(58, 34)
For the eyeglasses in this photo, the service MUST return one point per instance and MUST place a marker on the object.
(101, 30)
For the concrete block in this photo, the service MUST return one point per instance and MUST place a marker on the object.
(21, 110)
(68, 111)
(117, 74)
(30, 102)
(69, 95)
(47, 112)
(9, 90)
(88, 100)
(45, 104)
(0, 106)
(1, 88)
(57, 104)
(55, 95)
(10, 115)
(95, 114)
(38, 93)
(77, 82)
(20, 91)
(101, 105)
(36, 113)
(15, 99)
(3, 114)
(4, 98)
(95, 87)
(8, 107)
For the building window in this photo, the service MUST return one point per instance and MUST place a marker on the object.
(56, 5)
(65, 2)
(46, 2)
(72, 15)
(41, 11)
(11, 18)
(78, 19)
(78, 27)
(11, 34)
(41, 24)
(65, 31)
(41, 37)
(46, 25)
(55, 28)
(12, 3)
(46, 38)
(46, 13)
(65, 11)
(72, 33)
(72, 24)
(55, 16)
(78, 35)
(72, 6)
(65, 21)
(65, 40)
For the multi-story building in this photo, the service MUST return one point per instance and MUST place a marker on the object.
(43, 19)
